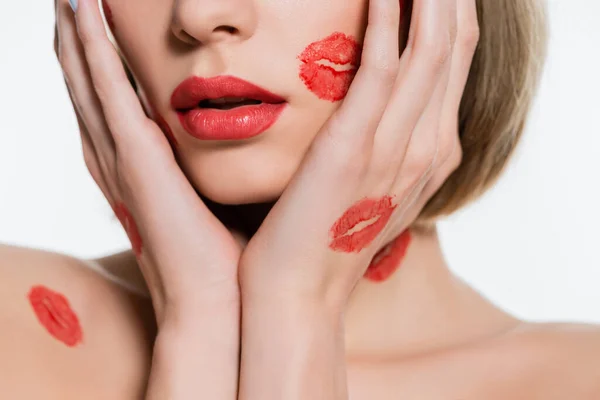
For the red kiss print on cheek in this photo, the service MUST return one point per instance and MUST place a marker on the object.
(53, 311)
(329, 66)
(108, 15)
(123, 214)
(388, 259)
(376, 212)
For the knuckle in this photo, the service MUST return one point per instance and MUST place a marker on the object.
(436, 52)
(469, 37)
(383, 69)
(345, 156)
(63, 56)
(446, 145)
(419, 161)
(91, 164)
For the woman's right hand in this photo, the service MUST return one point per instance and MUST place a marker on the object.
(187, 256)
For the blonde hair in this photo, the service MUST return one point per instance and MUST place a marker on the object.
(502, 84)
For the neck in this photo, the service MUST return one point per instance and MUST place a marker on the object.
(421, 307)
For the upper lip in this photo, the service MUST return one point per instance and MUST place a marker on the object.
(189, 93)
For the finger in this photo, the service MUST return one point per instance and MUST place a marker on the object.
(81, 92)
(467, 38)
(428, 52)
(91, 161)
(109, 78)
(449, 153)
(356, 119)
(449, 150)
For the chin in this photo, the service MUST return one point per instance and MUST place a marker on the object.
(255, 180)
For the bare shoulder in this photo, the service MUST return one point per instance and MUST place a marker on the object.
(532, 362)
(536, 361)
(562, 360)
(44, 298)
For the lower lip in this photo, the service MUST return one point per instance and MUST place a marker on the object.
(234, 124)
(362, 211)
(388, 259)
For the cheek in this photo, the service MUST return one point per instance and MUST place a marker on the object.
(108, 15)
(388, 259)
(53, 311)
(329, 66)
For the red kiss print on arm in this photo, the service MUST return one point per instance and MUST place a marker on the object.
(123, 214)
(317, 73)
(53, 311)
(388, 259)
(363, 211)
(108, 15)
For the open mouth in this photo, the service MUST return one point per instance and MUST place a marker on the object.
(227, 103)
(225, 107)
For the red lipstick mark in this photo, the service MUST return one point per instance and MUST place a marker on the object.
(55, 314)
(164, 126)
(323, 80)
(363, 211)
(123, 214)
(388, 259)
(108, 15)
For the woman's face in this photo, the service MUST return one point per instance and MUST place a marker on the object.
(274, 44)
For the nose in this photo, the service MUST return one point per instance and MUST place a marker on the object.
(211, 21)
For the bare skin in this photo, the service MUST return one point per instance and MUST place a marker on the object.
(445, 341)
(294, 291)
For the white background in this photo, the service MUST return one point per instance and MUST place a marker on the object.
(531, 244)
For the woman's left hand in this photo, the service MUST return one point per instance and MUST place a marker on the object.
(370, 171)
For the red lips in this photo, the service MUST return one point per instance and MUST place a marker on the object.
(324, 80)
(363, 211)
(240, 122)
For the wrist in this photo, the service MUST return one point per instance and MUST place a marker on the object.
(196, 355)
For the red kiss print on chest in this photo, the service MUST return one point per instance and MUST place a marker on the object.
(53, 311)
(329, 66)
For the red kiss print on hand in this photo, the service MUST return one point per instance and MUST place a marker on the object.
(123, 214)
(364, 211)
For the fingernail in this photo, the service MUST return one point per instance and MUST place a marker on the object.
(73, 4)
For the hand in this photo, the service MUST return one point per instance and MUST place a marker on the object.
(388, 148)
(188, 258)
